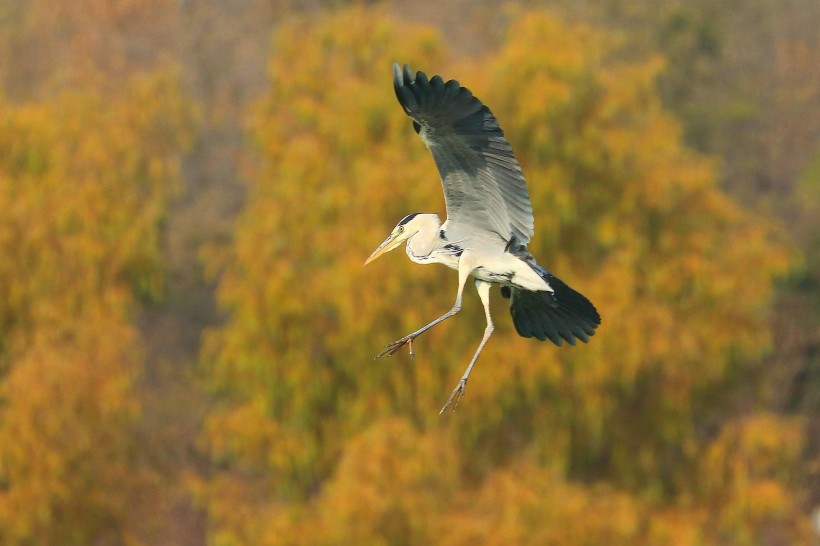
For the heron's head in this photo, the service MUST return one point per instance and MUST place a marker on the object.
(406, 228)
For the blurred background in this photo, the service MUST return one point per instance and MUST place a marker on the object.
(189, 188)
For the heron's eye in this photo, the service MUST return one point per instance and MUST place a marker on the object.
(401, 229)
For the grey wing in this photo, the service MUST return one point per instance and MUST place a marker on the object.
(482, 181)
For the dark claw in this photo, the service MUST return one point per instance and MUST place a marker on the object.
(393, 348)
(458, 394)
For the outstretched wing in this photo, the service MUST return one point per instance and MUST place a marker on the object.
(483, 183)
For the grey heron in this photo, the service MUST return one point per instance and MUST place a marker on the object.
(489, 221)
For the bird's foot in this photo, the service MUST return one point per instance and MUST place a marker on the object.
(456, 396)
(392, 348)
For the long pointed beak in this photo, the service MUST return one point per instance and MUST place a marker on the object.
(389, 244)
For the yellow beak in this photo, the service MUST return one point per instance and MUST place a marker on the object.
(392, 242)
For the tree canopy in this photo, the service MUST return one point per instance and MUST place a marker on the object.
(187, 330)
(85, 181)
(323, 437)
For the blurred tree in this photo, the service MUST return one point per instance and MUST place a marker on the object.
(737, 75)
(299, 248)
(69, 461)
(48, 42)
(385, 489)
(747, 476)
(85, 181)
(681, 274)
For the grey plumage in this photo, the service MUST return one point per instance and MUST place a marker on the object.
(482, 181)
(489, 220)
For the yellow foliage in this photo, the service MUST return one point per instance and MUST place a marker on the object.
(301, 313)
(746, 477)
(530, 505)
(681, 274)
(385, 489)
(309, 441)
(85, 180)
(67, 435)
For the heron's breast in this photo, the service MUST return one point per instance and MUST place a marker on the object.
(450, 260)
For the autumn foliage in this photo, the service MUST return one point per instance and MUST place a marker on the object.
(659, 431)
(85, 180)
(599, 444)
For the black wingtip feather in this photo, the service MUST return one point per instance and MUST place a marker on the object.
(408, 74)
(402, 77)
(464, 137)
(563, 315)
(549, 330)
(421, 87)
(416, 91)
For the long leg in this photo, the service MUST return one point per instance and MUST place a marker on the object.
(464, 271)
(458, 393)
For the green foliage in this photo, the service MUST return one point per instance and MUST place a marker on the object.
(596, 444)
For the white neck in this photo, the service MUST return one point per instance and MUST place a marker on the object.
(426, 239)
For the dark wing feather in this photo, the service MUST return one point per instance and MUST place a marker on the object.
(561, 314)
(482, 181)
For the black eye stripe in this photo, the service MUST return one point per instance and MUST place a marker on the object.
(408, 218)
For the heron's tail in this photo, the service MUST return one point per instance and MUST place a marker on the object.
(562, 314)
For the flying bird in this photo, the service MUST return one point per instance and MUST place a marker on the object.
(489, 221)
